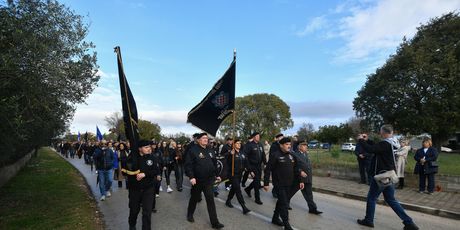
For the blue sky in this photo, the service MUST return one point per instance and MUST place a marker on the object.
(315, 55)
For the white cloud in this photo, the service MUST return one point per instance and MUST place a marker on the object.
(372, 30)
(322, 109)
(315, 24)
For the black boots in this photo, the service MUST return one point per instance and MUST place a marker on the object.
(401, 183)
(287, 226)
(229, 204)
(217, 225)
(245, 209)
(410, 227)
(276, 220)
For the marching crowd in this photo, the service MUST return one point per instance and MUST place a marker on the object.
(208, 164)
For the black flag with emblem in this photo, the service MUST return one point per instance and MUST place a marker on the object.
(217, 105)
(129, 112)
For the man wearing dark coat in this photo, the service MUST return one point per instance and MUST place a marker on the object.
(305, 171)
(201, 168)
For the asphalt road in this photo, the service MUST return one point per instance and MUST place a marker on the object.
(339, 213)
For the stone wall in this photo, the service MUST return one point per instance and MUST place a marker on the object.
(446, 183)
(9, 171)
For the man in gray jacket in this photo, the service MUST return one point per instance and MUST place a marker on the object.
(305, 171)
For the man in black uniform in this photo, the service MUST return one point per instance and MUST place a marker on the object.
(237, 163)
(224, 153)
(305, 171)
(141, 185)
(275, 147)
(246, 173)
(284, 169)
(202, 171)
(255, 153)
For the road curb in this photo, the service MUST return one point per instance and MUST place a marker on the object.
(412, 207)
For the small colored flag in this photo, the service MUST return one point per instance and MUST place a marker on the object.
(79, 136)
(217, 105)
(98, 134)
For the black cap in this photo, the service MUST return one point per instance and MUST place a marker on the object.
(279, 135)
(285, 140)
(143, 143)
(201, 135)
(254, 134)
(195, 135)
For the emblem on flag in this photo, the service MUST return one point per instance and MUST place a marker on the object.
(221, 100)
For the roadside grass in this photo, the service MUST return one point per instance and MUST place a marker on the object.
(48, 193)
(449, 163)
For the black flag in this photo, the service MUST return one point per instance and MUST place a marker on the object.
(129, 109)
(217, 105)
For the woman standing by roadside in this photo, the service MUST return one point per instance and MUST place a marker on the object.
(426, 165)
(401, 160)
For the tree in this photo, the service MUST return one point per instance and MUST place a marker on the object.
(418, 89)
(264, 113)
(306, 132)
(115, 124)
(46, 69)
(147, 129)
(181, 138)
(334, 134)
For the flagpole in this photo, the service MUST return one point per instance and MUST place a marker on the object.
(233, 127)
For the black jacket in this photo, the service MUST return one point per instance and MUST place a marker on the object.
(383, 156)
(241, 164)
(284, 168)
(255, 154)
(200, 164)
(304, 164)
(360, 150)
(149, 165)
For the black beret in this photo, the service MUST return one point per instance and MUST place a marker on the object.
(195, 135)
(201, 135)
(279, 135)
(285, 140)
(254, 134)
(143, 143)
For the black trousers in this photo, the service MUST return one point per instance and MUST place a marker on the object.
(179, 173)
(138, 197)
(236, 189)
(363, 170)
(155, 192)
(282, 203)
(307, 193)
(256, 184)
(245, 178)
(197, 189)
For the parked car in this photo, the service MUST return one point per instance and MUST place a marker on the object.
(325, 145)
(313, 144)
(348, 147)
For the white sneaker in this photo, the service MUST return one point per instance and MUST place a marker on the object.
(108, 194)
(227, 188)
(156, 195)
(169, 190)
(161, 188)
(102, 198)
